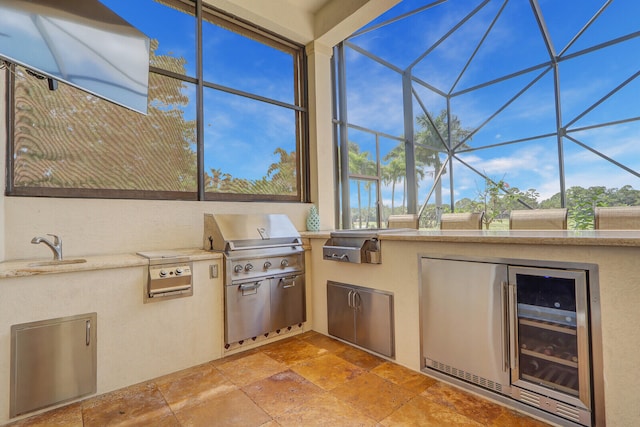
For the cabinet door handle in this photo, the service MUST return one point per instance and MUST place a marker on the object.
(356, 300)
(87, 332)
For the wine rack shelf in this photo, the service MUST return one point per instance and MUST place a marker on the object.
(548, 325)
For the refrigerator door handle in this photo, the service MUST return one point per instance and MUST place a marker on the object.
(513, 343)
(504, 299)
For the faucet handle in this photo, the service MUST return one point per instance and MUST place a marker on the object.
(56, 239)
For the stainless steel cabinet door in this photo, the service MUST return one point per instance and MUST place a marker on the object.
(374, 321)
(362, 316)
(287, 301)
(340, 317)
(52, 361)
(247, 312)
(463, 319)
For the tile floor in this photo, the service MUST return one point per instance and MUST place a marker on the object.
(305, 380)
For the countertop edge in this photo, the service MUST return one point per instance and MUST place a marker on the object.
(621, 238)
(21, 268)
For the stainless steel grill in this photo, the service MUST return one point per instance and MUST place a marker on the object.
(360, 246)
(263, 273)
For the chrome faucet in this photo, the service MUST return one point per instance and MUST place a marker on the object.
(56, 246)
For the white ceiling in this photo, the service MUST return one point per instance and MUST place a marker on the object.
(311, 6)
(304, 21)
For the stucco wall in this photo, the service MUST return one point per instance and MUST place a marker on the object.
(135, 341)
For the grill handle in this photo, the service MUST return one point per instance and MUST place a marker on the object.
(288, 282)
(295, 243)
(251, 289)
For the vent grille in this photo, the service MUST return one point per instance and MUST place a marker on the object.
(558, 408)
(464, 375)
(568, 412)
(531, 399)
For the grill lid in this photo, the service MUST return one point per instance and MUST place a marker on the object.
(230, 232)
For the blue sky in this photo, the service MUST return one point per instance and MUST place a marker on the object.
(514, 43)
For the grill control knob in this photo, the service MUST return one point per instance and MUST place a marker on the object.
(248, 267)
(267, 265)
(179, 271)
(284, 263)
(237, 268)
(163, 273)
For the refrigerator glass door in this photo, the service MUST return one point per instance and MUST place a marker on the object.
(550, 333)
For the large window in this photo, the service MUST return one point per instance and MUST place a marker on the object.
(495, 105)
(233, 128)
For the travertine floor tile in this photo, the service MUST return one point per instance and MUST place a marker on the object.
(404, 377)
(324, 410)
(327, 371)
(511, 418)
(139, 405)
(66, 416)
(330, 344)
(373, 396)
(191, 385)
(306, 380)
(281, 392)
(360, 358)
(251, 368)
(234, 357)
(230, 409)
(464, 403)
(292, 351)
(420, 412)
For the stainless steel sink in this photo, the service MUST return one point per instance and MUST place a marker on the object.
(57, 262)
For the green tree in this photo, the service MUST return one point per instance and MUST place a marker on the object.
(581, 204)
(494, 200)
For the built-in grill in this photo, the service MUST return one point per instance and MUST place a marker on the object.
(360, 246)
(263, 273)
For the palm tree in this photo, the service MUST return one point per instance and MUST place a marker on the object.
(433, 138)
(283, 173)
(394, 171)
(359, 162)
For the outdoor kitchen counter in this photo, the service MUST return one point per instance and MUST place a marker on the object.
(515, 237)
(22, 268)
(614, 252)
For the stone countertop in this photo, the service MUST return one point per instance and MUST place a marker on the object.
(519, 237)
(22, 268)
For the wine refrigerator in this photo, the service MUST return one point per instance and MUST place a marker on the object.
(549, 341)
